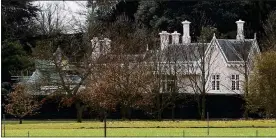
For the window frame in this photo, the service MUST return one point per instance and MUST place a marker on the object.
(167, 82)
(235, 82)
(215, 81)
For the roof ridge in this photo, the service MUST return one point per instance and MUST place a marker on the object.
(235, 39)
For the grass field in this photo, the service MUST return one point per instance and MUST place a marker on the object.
(141, 128)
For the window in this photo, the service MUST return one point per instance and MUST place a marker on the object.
(235, 82)
(215, 82)
(168, 83)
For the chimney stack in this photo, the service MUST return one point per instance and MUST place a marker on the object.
(164, 39)
(240, 34)
(175, 37)
(186, 32)
(58, 56)
(95, 44)
(107, 46)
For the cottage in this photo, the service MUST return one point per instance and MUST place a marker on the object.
(218, 67)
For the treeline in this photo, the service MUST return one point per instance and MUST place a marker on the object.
(19, 26)
(30, 33)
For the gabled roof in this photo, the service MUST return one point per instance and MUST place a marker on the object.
(60, 55)
(236, 50)
(184, 52)
(233, 49)
(122, 58)
(44, 64)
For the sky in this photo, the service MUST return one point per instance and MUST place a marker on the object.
(72, 13)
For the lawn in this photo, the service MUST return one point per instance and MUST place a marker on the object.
(141, 128)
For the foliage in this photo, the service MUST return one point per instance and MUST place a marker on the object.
(122, 79)
(17, 17)
(270, 31)
(262, 86)
(66, 57)
(15, 58)
(21, 103)
(5, 88)
(168, 15)
(16, 27)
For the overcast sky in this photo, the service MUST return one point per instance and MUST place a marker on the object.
(73, 12)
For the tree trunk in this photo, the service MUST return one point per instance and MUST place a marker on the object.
(203, 106)
(245, 114)
(101, 116)
(246, 77)
(198, 100)
(173, 104)
(79, 109)
(105, 123)
(20, 120)
(159, 111)
(267, 115)
(246, 111)
(159, 115)
(173, 112)
(129, 113)
(123, 111)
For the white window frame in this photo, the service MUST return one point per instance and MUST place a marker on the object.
(235, 82)
(165, 83)
(215, 81)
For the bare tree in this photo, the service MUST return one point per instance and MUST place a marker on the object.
(169, 77)
(57, 72)
(99, 94)
(269, 29)
(126, 69)
(245, 51)
(131, 84)
(50, 19)
(166, 62)
(21, 103)
(199, 67)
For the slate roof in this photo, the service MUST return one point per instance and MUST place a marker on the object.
(113, 58)
(236, 50)
(45, 73)
(183, 52)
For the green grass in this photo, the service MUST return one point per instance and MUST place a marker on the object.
(145, 132)
(116, 123)
(147, 128)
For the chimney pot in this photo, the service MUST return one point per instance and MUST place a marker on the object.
(175, 37)
(164, 39)
(186, 32)
(240, 32)
(95, 44)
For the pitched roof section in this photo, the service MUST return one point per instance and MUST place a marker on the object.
(184, 52)
(122, 58)
(236, 50)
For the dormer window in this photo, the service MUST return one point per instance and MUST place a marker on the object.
(235, 82)
(215, 82)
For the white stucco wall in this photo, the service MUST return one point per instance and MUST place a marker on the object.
(219, 67)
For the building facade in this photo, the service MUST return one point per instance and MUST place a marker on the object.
(221, 66)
